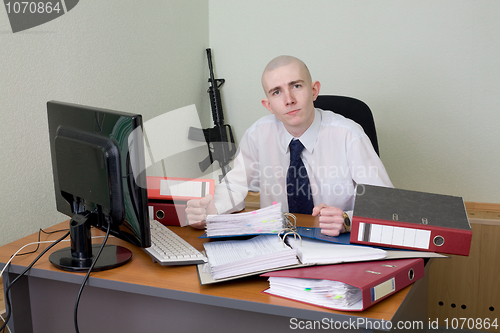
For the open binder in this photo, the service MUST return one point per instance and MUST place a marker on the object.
(315, 233)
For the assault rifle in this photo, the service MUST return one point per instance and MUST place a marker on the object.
(220, 140)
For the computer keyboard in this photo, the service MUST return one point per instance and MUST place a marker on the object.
(167, 248)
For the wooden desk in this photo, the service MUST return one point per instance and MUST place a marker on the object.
(142, 296)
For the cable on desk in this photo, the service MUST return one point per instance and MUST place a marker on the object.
(39, 242)
(7, 289)
(87, 276)
(7, 299)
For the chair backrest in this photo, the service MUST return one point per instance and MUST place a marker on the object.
(353, 109)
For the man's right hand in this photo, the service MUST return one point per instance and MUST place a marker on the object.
(331, 219)
(198, 209)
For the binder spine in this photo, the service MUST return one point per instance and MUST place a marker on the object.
(383, 289)
(157, 188)
(401, 279)
(404, 235)
(168, 213)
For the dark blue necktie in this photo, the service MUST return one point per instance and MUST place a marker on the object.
(297, 182)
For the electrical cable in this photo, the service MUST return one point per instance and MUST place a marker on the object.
(7, 299)
(3, 330)
(75, 315)
(20, 254)
(39, 242)
(7, 289)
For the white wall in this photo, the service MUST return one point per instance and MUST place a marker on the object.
(133, 56)
(429, 70)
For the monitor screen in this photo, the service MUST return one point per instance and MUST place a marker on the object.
(99, 173)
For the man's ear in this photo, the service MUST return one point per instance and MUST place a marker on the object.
(267, 105)
(315, 89)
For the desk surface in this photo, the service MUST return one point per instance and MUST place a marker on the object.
(141, 275)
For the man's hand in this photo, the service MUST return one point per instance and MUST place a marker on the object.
(198, 209)
(331, 220)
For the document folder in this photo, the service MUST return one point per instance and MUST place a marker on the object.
(167, 197)
(404, 219)
(168, 213)
(367, 283)
(179, 189)
(315, 233)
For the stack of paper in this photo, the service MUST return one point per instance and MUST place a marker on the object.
(326, 293)
(312, 251)
(268, 220)
(236, 257)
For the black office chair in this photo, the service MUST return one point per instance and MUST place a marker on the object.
(353, 109)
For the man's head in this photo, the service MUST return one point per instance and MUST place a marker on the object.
(290, 93)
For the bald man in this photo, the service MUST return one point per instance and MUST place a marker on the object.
(336, 154)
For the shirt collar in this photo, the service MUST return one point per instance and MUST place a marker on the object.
(308, 139)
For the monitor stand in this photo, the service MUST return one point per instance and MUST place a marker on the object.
(80, 255)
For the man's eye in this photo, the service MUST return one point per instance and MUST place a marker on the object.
(297, 85)
(276, 92)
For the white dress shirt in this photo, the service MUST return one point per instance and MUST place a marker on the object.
(338, 155)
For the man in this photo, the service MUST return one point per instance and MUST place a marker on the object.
(335, 155)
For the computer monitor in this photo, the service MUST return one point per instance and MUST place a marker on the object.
(99, 180)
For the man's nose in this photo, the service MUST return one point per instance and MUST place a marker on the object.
(289, 98)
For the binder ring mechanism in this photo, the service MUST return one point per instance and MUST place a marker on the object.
(290, 228)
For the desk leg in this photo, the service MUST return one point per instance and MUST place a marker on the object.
(20, 320)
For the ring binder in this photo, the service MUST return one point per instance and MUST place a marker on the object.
(375, 281)
(167, 197)
(404, 219)
(290, 228)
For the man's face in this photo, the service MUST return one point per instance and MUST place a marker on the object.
(290, 95)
